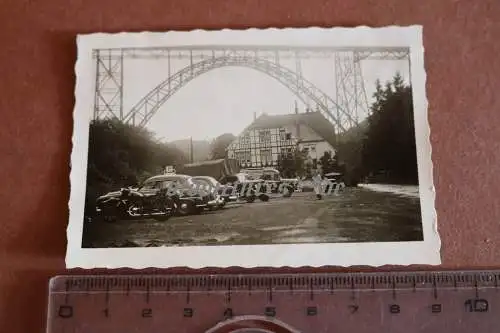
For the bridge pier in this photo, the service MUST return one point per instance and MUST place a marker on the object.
(108, 102)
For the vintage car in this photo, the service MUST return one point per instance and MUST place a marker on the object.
(183, 188)
(272, 182)
(207, 185)
(178, 192)
(333, 182)
(244, 187)
(229, 188)
(131, 203)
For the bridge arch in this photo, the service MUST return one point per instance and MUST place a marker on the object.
(146, 108)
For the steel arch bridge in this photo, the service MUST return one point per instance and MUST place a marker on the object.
(343, 112)
(146, 108)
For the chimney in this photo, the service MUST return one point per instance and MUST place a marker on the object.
(255, 116)
(297, 123)
(191, 151)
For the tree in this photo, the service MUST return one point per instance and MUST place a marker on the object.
(389, 148)
(292, 164)
(328, 162)
(219, 145)
(398, 83)
(349, 156)
(122, 155)
(384, 144)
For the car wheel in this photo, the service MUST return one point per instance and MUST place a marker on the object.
(185, 208)
(264, 197)
(161, 218)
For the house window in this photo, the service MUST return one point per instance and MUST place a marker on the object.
(266, 156)
(245, 139)
(315, 163)
(265, 136)
(288, 136)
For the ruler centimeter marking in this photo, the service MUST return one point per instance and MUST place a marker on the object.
(190, 283)
(436, 298)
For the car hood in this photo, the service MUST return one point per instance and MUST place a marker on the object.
(116, 194)
(108, 195)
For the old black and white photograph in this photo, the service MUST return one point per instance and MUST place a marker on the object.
(272, 147)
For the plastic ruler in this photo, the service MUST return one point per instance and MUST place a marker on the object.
(454, 301)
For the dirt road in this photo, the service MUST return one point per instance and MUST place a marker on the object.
(357, 215)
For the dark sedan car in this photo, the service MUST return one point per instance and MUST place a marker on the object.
(185, 188)
(179, 187)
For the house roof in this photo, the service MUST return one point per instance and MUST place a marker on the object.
(314, 120)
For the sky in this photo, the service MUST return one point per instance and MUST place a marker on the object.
(224, 100)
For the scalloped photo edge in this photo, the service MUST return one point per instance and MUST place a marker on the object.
(373, 222)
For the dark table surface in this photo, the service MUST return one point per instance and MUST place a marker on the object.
(37, 61)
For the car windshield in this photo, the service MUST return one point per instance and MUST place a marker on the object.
(205, 180)
(229, 179)
(182, 181)
(150, 185)
(158, 184)
(167, 184)
(243, 177)
(269, 175)
(202, 185)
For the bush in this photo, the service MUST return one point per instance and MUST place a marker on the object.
(122, 155)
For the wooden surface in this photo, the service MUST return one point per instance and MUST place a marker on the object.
(37, 81)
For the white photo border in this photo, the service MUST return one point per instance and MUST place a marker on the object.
(426, 252)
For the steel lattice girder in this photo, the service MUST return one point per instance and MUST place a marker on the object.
(108, 101)
(350, 88)
(283, 52)
(303, 89)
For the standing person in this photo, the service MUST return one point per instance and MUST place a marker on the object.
(317, 180)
